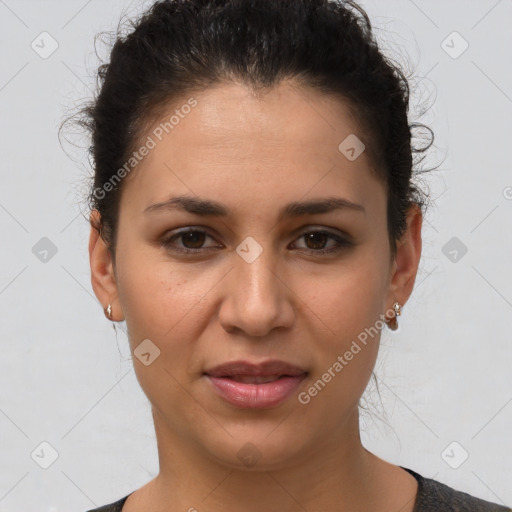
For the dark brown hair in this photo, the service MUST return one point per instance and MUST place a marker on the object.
(177, 47)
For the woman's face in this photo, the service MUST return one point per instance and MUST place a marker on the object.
(252, 287)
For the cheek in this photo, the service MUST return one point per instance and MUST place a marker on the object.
(160, 303)
(155, 293)
(348, 299)
(347, 308)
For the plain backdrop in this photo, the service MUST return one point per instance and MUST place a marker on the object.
(69, 399)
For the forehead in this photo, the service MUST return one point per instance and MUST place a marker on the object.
(230, 142)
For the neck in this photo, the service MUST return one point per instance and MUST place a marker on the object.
(335, 474)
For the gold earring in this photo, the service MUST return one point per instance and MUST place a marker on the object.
(108, 312)
(393, 323)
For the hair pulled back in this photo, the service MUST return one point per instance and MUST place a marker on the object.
(178, 47)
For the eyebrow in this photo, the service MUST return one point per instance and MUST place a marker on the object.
(208, 207)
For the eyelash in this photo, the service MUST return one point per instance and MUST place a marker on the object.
(342, 243)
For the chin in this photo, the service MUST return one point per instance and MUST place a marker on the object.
(257, 449)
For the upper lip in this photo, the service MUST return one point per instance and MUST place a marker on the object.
(265, 369)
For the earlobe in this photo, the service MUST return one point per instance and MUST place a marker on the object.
(407, 258)
(103, 278)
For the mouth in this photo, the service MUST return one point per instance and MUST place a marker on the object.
(272, 368)
(255, 386)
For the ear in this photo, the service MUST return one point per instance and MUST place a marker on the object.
(103, 278)
(405, 264)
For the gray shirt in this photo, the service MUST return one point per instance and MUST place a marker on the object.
(432, 496)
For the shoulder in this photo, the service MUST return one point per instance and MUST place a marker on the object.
(436, 496)
(113, 507)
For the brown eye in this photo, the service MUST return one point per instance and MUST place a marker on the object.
(316, 241)
(192, 240)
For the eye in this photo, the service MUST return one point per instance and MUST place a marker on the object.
(192, 240)
(317, 238)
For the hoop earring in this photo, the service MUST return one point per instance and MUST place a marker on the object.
(393, 323)
(108, 312)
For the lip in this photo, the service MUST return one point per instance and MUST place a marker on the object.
(255, 395)
(264, 369)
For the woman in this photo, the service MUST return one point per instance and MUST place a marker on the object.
(256, 223)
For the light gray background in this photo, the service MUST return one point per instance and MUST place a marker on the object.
(66, 380)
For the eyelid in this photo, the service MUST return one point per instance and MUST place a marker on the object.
(315, 227)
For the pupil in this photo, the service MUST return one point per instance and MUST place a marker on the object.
(191, 237)
(311, 237)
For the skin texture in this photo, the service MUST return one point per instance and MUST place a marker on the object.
(256, 154)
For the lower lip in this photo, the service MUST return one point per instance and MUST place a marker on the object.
(256, 396)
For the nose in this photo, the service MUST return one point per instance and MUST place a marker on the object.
(257, 297)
